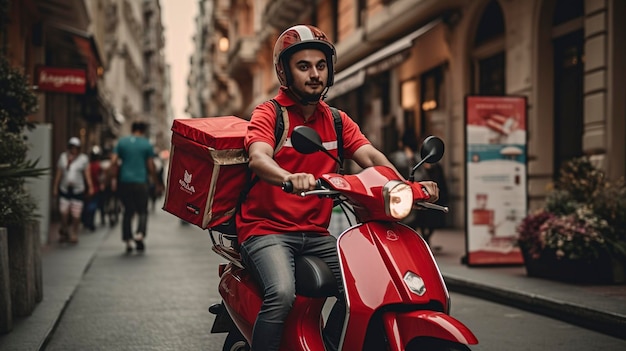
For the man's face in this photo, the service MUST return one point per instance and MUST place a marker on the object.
(310, 73)
(73, 149)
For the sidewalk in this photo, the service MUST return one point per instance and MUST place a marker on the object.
(601, 308)
(63, 267)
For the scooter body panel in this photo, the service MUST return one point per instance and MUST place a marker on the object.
(242, 299)
(375, 257)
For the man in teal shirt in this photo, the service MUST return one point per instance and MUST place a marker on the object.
(132, 166)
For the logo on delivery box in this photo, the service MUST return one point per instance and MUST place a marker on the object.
(185, 183)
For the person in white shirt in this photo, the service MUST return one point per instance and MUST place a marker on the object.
(71, 182)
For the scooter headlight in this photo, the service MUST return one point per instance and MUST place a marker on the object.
(398, 199)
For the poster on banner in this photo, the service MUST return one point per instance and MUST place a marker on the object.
(496, 178)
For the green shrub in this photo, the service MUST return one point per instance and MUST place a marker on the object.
(17, 101)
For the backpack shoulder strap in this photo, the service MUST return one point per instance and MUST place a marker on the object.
(280, 135)
(282, 125)
(339, 133)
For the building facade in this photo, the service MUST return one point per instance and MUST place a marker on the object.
(95, 67)
(156, 107)
(410, 64)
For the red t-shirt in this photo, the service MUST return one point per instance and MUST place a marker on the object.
(267, 208)
(95, 170)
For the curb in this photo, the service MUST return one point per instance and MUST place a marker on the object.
(600, 321)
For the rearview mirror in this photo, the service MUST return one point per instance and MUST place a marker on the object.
(306, 140)
(432, 149)
(431, 152)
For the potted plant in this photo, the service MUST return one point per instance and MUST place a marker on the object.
(20, 282)
(579, 235)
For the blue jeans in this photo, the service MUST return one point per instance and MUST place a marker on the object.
(271, 259)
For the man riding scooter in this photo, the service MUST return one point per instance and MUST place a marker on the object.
(274, 227)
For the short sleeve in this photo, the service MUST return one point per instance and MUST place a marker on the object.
(262, 125)
(353, 138)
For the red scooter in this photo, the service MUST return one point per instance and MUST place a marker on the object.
(395, 295)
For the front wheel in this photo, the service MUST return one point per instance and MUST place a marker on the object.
(434, 344)
(235, 342)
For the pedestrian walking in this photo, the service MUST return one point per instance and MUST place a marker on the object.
(95, 202)
(72, 182)
(133, 167)
(155, 194)
(405, 157)
(111, 202)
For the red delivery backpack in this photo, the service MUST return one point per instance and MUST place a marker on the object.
(208, 174)
(207, 162)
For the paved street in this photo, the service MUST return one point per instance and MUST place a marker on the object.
(152, 301)
(98, 298)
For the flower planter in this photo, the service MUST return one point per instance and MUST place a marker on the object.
(25, 267)
(603, 270)
(6, 312)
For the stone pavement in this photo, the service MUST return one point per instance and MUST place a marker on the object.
(601, 308)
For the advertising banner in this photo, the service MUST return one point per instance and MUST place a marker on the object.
(61, 80)
(496, 178)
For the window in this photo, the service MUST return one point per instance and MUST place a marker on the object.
(491, 78)
(489, 59)
(568, 45)
(431, 88)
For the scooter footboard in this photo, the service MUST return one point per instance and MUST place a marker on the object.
(402, 327)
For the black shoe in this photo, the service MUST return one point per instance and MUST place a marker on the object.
(129, 249)
(139, 246)
(63, 236)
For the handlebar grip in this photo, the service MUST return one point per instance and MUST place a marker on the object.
(425, 204)
(287, 187)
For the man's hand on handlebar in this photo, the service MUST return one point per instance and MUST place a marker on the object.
(432, 189)
(301, 182)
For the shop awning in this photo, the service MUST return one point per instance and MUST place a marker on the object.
(86, 46)
(383, 59)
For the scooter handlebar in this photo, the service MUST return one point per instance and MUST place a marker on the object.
(287, 186)
(319, 189)
(445, 209)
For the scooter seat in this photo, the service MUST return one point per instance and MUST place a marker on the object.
(314, 278)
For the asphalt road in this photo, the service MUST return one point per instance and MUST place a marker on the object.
(154, 301)
(159, 300)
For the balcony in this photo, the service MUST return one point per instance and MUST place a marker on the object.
(280, 14)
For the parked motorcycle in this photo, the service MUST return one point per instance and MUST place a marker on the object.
(396, 297)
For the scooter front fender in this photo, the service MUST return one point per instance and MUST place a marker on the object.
(402, 327)
(375, 257)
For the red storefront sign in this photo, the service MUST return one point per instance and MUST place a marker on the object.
(61, 80)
